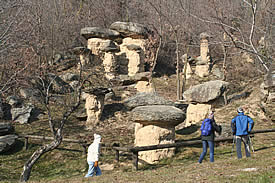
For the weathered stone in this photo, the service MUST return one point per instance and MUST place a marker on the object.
(204, 50)
(130, 29)
(98, 46)
(22, 114)
(160, 115)
(155, 135)
(94, 104)
(131, 56)
(80, 50)
(110, 65)
(144, 86)
(144, 99)
(136, 62)
(14, 101)
(196, 113)
(30, 93)
(205, 92)
(188, 71)
(68, 76)
(127, 80)
(58, 85)
(84, 56)
(6, 128)
(202, 70)
(7, 142)
(97, 32)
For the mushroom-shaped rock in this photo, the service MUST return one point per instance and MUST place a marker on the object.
(97, 32)
(159, 115)
(144, 99)
(205, 92)
(130, 29)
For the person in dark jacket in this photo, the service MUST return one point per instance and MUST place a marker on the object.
(209, 139)
(241, 127)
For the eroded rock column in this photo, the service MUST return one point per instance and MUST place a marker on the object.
(202, 67)
(156, 125)
(94, 106)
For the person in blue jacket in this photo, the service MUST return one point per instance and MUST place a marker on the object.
(241, 127)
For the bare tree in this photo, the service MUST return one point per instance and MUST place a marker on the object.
(56, 126)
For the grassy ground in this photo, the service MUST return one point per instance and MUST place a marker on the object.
(68, 164)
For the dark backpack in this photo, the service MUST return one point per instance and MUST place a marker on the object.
(206, 127)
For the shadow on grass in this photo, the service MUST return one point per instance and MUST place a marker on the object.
(263, 148)
(18, 146)
(188, 130)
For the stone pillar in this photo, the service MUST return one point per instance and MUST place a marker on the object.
(94, 106)
(132, 56)
(202, 66)
(204, 50)
(155, 135)
(156, 126)
(136, 62)
(110, 65)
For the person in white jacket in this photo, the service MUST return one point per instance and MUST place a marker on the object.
(92, 157)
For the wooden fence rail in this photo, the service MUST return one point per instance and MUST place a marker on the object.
(135, 150)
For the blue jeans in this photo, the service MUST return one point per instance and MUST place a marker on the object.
(205, 144)
(93, 170)
(245, 140)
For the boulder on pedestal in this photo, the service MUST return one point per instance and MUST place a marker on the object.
(156, 125)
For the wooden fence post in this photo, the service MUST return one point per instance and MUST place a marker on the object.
(84, 146)
(26, 143)
(117, 152)
(135, 159)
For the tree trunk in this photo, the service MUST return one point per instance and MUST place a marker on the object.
(37, 154)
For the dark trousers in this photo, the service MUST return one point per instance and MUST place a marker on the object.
(245, 140)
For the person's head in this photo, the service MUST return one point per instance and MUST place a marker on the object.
(240, 110)
(97, 138)
(211, 114)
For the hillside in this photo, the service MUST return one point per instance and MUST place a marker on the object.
(68, 164)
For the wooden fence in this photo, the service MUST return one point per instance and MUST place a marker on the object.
(135, 150)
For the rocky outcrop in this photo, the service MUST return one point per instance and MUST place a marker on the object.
(7, 142)
(58, 85)
(160, 115)
(130, 29)
(98, 32)
(118, 57)
(145, 99)
(196, 113)
(7, 138)
(6, 128)
(205, 92)
(23, 114)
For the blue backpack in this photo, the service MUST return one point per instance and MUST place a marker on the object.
(206, 127)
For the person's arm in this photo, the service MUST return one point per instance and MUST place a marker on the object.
(251, 124)
(233, 126)
(217, 128)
